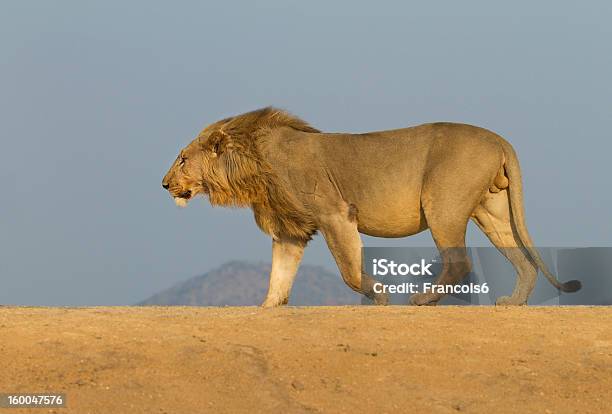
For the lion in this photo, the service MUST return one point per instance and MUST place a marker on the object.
(395, 183)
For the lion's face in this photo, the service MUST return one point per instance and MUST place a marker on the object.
(186, 177)
(216, 165)
(229, 163)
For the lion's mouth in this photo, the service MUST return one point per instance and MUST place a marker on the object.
(181, 199)
(185, 194)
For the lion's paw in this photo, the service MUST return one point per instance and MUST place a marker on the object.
(381, 299)
(273, 302)
(508, 301)
(424, 299)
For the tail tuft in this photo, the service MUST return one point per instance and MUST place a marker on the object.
(571, 286)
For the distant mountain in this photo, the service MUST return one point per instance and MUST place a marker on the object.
(241, 283)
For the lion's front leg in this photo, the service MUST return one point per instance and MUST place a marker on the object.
(340, 232)
(286, 257)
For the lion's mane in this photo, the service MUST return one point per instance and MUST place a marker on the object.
(244, 178)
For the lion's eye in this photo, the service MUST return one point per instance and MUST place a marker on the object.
(182, 160)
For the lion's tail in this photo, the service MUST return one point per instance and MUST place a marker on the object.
(518, 217)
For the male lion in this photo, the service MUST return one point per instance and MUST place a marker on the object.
(395, 183)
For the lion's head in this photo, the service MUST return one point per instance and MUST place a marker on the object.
(225, 163)
(184, 179)
(217, 165)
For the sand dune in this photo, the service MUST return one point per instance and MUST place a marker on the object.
(327, 359)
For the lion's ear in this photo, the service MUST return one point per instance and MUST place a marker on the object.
(219, 142)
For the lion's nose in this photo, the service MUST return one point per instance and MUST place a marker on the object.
(166, 185)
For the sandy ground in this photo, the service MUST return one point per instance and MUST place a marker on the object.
(326, 359)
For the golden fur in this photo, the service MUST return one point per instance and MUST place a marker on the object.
(225, 162)
(394, 183)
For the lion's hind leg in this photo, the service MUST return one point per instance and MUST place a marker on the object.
(450, 241)
(493, 217)
(448, 232)
(447, 214)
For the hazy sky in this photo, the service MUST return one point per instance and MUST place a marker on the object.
(97, 98)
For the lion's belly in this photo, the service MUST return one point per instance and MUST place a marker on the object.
(392, 215)
(392, 225)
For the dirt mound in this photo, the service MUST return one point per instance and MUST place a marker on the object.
(328, 360)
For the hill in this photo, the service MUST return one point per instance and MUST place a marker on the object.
(241, 283)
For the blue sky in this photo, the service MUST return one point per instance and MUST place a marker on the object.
(98, 97)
